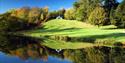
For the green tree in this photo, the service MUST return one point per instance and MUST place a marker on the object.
(53, 15)
(61, 12)
(120, 15)
(69, 14)
(84, 8)
(97, 17)
(110, 6)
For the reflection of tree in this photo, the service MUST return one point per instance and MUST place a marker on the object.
(117, 55)
(77, 56)
(27, 47)
(21, 53)
(96, 55)
(23, 47)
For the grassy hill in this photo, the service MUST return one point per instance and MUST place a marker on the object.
(79, 30)
(64, 24)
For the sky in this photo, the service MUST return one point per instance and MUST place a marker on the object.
(52, 4)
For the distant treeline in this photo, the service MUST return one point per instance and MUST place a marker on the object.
(95, 12)
(27, 18)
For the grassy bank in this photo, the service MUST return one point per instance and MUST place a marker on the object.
(103, 36)
(78, 29)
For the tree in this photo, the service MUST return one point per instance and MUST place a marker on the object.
(97, 17)
(110, 6)
(120, 15)
(112, 17)
(11, 23)
(61, 12)
(83, 8)
(34, 15)
(53, 15)
(45, 14)
(22, 13)
(69, 14)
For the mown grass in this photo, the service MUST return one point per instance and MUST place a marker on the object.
(75, 29)
(64, 24)
(78, 29)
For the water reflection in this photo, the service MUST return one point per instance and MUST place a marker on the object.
(27, 50)
(13, 59)
(30, 50)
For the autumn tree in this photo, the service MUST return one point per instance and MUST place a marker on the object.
(45, 14)
(34, 15)
(22, 13)
(11, 23)
(97, 17)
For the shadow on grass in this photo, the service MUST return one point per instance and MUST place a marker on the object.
(57, 30)
(93, 38)
(115, 35)
(109, 28)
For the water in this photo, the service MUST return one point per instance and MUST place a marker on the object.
(18, 49)
(4, 58)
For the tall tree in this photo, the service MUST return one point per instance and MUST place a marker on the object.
(22, 13)
(45, 14)
(120, 15)
(110, 6)
(61, 12)
(84, 8)
(97, 17)
(69, 14)
(34, 15)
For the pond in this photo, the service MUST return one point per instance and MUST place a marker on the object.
(20, 49)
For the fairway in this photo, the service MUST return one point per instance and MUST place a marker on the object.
(74, 28)
(62, 31)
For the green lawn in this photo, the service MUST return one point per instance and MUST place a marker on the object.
(72, 28)
(78, 29)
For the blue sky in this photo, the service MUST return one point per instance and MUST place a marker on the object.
(119, 0)
(52, 4)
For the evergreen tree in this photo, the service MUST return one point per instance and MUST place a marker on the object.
(120, 15)
(110, 6)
